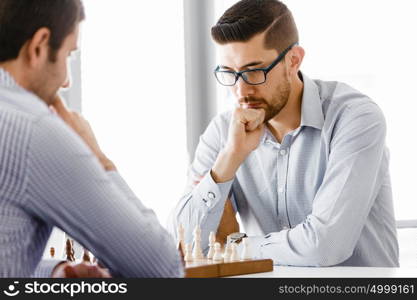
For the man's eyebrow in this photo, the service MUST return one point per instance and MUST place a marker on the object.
(255, 63)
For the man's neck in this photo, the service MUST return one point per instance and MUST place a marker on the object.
(289, 118)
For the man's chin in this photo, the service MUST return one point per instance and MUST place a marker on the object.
(52, 99)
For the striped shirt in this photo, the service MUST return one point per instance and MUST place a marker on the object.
(321, 197)
(49, 177)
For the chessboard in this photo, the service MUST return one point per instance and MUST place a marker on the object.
(221, 261)
(207, 268)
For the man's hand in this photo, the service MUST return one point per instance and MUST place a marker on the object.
(245, 131)
(83, 129)
(81, 270)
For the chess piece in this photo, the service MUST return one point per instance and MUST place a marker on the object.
(69, 250)
(181, 236)
(246, 255)
(234, 256)
(188, 256)
(86, 256)
(227, 252)
(212, 240)
(217, 256)
(197, 252)
(52, 252)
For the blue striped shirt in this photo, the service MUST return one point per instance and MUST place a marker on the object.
(321, 197)
(49, 177)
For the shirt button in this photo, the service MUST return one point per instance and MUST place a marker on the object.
(211, 195)
(283, 152)
(281, 190)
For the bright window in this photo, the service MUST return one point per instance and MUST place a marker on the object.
(133, 93)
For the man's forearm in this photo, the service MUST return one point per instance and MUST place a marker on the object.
(226, 165)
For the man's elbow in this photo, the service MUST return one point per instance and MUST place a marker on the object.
(328, 254)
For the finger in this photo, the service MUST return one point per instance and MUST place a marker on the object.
(256, 119)
(97, 272)
(61, 108)
(253, 124)
(70, 272)
(52, 109)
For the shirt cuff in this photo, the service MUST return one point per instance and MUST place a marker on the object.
(255, 245)
(211, 192)
(45, 268)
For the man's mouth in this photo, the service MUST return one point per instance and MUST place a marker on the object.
(252, 105)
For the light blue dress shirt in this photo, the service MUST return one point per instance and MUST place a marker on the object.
(49, 177)
(321, 197)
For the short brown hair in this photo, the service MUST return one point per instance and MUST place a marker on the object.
(248, 18)
(21, 19)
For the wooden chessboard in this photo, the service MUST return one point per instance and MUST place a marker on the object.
(209, 269)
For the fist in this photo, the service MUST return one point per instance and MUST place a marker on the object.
(81, 270)
(245, 131)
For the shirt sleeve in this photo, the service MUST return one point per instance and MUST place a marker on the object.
(204, 199)
(68, 188)
(341, 206)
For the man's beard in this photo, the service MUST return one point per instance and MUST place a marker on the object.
(275, 105)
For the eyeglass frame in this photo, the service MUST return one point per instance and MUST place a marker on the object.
(265, 70)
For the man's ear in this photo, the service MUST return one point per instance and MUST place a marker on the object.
(37, 49)
(294, 59)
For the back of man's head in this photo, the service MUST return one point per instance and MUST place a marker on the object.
(248, 18)
(21, 19)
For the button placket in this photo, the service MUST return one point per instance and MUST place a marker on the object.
(282, 180)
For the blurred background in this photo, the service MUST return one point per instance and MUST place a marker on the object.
(144, 79)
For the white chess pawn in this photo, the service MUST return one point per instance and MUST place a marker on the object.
(197, 252)
(234, 256)
(227, 252)
(217, 256)
(212, 240)
(246, 255)
(181, 234)
(188, 257)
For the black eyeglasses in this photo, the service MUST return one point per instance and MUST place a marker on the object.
(252, 77)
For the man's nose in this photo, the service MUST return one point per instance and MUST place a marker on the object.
(243, 89)
(66, 84)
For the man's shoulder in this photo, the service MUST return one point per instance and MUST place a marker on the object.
(22, 104)
(340, 100)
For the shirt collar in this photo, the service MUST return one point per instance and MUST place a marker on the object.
(6, 80)
(311, 108)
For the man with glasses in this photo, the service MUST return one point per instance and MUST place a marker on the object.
(302, 161)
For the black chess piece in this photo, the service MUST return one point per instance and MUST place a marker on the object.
(69, 250)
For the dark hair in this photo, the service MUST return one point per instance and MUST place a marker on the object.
(21, 19)
(248, 18)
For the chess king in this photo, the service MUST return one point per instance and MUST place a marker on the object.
(52, 170)
(303, 162)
